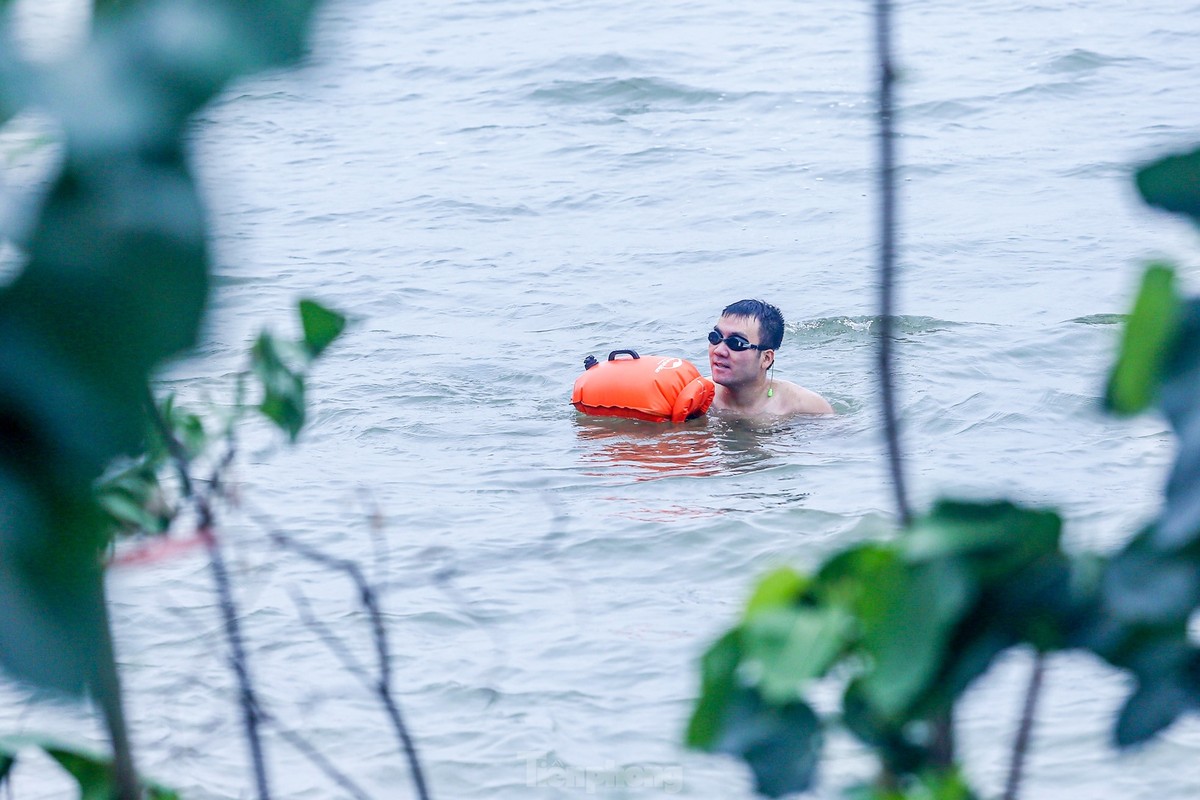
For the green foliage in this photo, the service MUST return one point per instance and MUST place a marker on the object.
(93, 773)
(281, 366)
(1148, 333)
(1173, 184)
(947, 785)
(909, 624)
(321, 326)
(115, 282)
(135, 492)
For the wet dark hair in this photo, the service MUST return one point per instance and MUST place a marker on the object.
(770, 320)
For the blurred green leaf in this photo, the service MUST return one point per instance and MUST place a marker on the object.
(906, 614)
(718, 681)
(102, 7)
(1142, 585)
(1000, 536)
(283, 389)
(1173, 184)
(91, 771)
(1145, 342)
(780, 744)
(321, 326)
(1151, 709)
(780, 587)
(50, 587)
(1179, 524)
(791, 646)
(842, 579)
(899, 754)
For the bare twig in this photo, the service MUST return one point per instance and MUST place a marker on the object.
(370, 602)
(316, 757)
(887, 253)
(331, 642)
(1025, 728)
(241, 667)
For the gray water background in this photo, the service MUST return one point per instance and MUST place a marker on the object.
(494, 189)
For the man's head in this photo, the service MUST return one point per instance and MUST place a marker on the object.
(747, 336)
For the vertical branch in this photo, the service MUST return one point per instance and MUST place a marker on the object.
(251, 716)
(887, 252)
(1025, 728)
(106, 685)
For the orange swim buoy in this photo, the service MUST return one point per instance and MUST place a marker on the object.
(653, 388)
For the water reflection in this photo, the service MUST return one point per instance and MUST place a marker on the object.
(700, 448)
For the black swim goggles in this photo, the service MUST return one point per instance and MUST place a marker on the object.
(736, 342)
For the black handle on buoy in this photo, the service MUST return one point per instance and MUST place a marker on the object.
(589, 362)
(613, 355)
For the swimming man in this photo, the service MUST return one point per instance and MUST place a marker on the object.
(741, 352)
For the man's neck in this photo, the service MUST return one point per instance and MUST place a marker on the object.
(747, 398)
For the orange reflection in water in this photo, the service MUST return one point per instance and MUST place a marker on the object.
(647, 450)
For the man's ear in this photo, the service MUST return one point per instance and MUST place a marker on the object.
(769, 358)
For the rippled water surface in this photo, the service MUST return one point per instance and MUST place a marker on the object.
(493, 190)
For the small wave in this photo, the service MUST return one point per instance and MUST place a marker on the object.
(943, 109)
(603, 64)
(1081, 61)
(1040, 91)
(863, 327)
(639, 93)
(1098, 319)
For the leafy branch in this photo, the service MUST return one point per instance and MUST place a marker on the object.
(114, 282)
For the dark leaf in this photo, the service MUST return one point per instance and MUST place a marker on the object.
(53, 624)
(718, 680)
(1001, 535)
(900, 755)
(780, 744)
(1143, 585)
(283, 389)
(970, 656)
(1145, 343)
(1179, 525)
(1151, 709)
(1173, 184)
(321, 326)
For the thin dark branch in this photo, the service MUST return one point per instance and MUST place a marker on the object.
(107, 688)
(316, 757)
(175, 448)
(381, 563)
(241, 667)
(370, 602)
(332, 642)
(229, 613)
(1025, 728)
(887, 253)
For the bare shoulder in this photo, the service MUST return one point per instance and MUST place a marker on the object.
(795, 399)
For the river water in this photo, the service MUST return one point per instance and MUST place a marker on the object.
(494, 189)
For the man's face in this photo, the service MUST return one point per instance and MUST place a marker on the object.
(730, 367)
